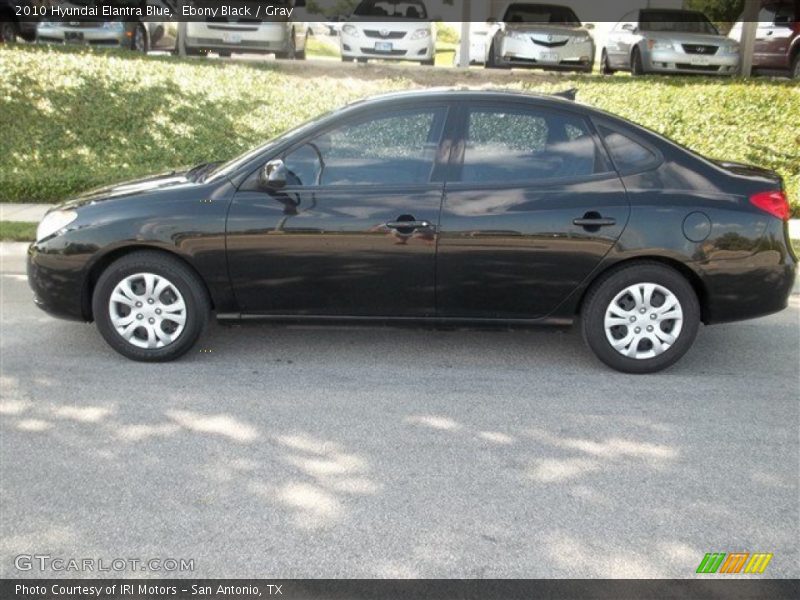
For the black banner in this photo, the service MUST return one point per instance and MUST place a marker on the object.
(371, 589)
(326, 10)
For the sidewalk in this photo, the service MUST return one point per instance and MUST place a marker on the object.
(23, 212)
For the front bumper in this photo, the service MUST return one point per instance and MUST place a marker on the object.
(57, 282)
(97, 36)
(404, 49)
(677, 61)
(258, 37)
(525, 52)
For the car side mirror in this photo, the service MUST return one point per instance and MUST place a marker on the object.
(273, 175)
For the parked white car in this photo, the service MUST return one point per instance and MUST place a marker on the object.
(539, 35)
(389, 29)
(230, 35)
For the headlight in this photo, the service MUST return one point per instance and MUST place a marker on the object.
(114, 25)
(351, 30)
(420, 34)
(54, 222)
(731, 49)
(581, 39)
(660, 45)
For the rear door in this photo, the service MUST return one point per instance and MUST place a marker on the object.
(354, 231)
(531, 207)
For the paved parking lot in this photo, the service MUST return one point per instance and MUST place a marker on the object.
(381, 453)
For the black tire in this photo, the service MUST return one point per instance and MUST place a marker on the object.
(195, 297)
(9, 31)
(491, 59)
(605, 66)
(428, 63)
(637, 65)
(139, 42)
(362, 61)
(347, 59)
(605, 290)
(224, 53)
(795, 72)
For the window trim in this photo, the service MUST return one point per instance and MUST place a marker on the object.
(461, 116)
(439, 164)
(658, 157)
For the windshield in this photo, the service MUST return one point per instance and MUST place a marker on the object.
(676, 20)
(540, 13)
(393, 9)
(228, 168)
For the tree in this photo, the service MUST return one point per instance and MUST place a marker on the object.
(722, 12)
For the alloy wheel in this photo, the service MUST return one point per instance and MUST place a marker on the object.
(147, 310)
(643, 321)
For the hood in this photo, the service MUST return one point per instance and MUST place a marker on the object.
(162, 181)
(547, 28)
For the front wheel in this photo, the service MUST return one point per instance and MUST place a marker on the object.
(796, 66)
(641, 319)
(8, 32)
(150, 307)
(605, 64)
(637, 64)
(139, 40)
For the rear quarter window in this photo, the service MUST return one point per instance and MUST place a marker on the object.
(628, 155)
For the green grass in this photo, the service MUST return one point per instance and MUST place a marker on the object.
(73, 119)
(15, 231)
(317, 48)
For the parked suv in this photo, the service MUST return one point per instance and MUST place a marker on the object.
(777, 38)
(539, 35)
(668, 41)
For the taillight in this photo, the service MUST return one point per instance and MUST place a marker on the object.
(774, 203)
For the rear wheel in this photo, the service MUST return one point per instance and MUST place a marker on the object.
(8, 31)
(637, 65)
(641, 318)
(428, 63)
(139, 40)
(150, 307)
(796, 66)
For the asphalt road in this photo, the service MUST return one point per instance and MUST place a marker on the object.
(314, 452)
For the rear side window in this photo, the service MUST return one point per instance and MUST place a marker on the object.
(627, 154)
(512, 145)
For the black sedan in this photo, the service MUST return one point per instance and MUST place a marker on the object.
(450, 207)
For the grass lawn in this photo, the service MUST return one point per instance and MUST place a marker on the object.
(13, 231)
(75, 118)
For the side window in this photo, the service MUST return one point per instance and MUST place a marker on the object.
(397, 148)
(507, 145)
(627, 154)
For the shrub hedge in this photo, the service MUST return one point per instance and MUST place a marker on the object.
(73, 119)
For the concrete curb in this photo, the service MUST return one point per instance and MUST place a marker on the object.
(23, 212)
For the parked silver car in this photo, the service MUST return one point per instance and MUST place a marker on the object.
(668, 41)
(539, 35)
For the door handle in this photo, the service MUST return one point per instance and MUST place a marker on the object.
(408, 224)
(594, 222)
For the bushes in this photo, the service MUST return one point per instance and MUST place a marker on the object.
(75, 119)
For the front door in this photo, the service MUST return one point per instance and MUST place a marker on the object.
(354, 232)
(531, 207)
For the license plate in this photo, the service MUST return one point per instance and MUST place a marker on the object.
(383, 46)
(700, 61)
(73, 37)
(231, 38)
(548, 57)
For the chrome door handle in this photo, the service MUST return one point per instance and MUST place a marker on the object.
(598, 222)
(408, 224)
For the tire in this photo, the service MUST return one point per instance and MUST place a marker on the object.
(491, 59)
(637, 66)
(347, 59)
(428, 63)
(795, 72)
(361, 61)
(643, 353)
(605, 66)
(139, 39)
(8, 32)
(185, 285)
(224, 53)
